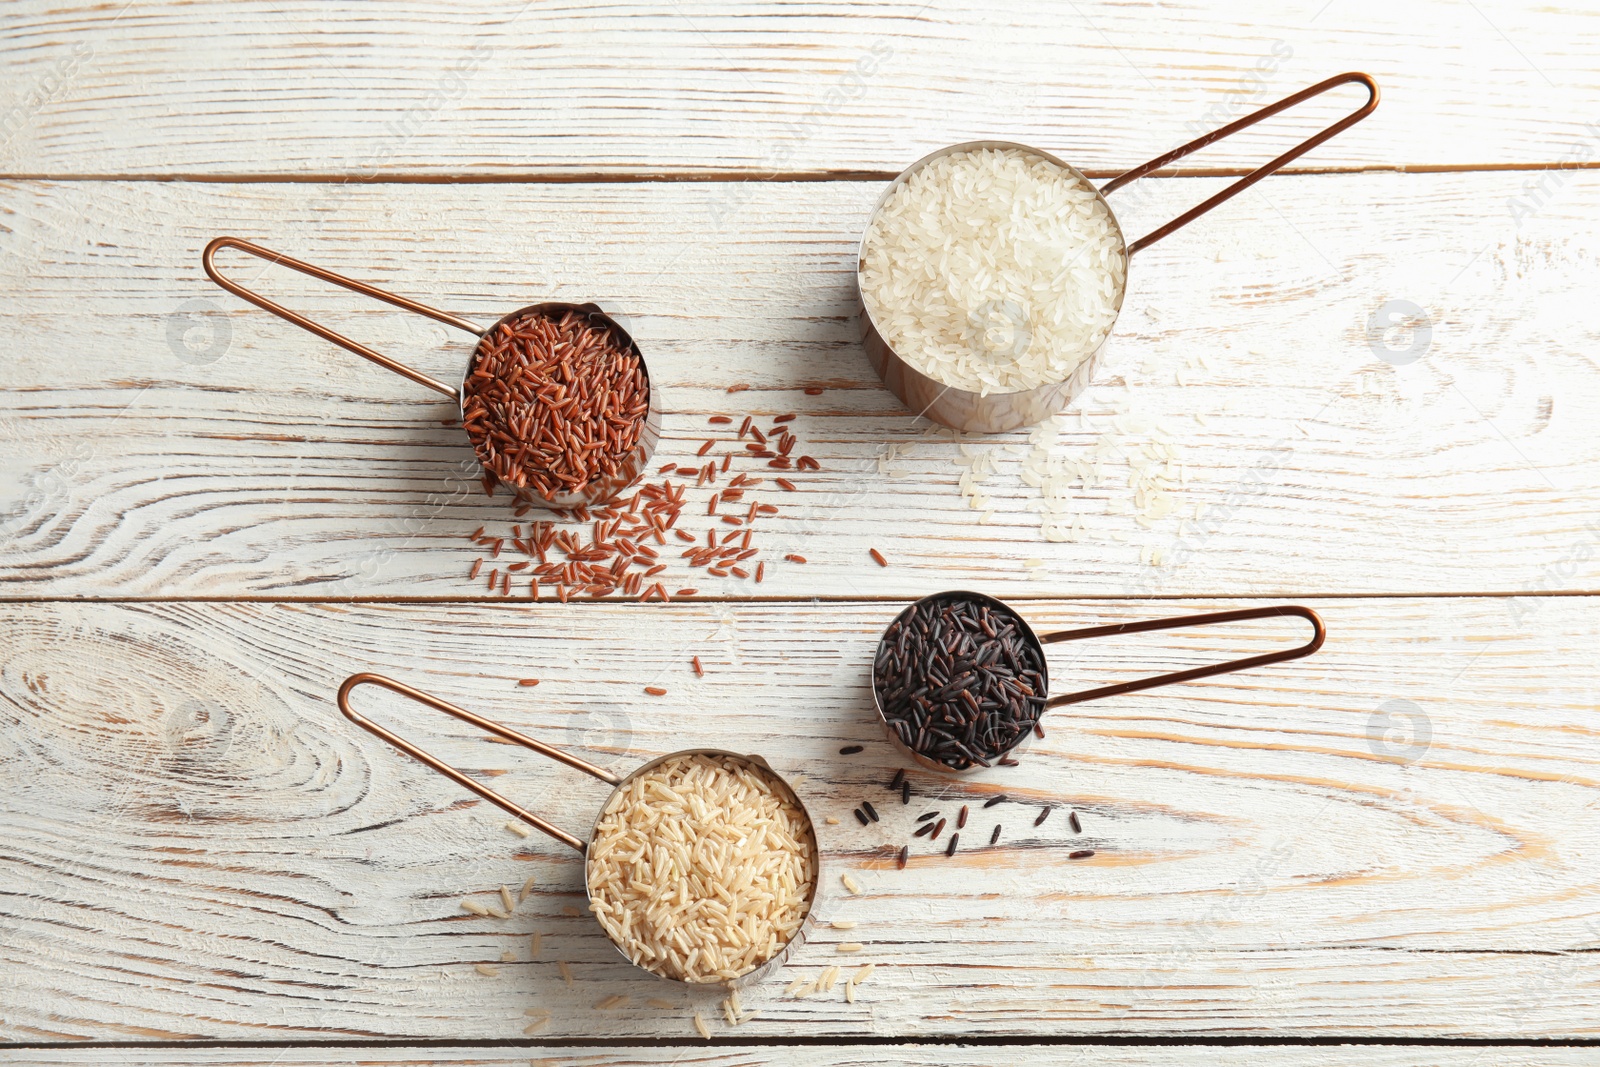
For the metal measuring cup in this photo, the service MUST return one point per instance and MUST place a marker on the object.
(597, 491)
(996, 412)
(582, 847)
(1036, 643)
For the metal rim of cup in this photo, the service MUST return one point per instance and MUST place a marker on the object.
(951, 405)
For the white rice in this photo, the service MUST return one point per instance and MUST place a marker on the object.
(993, 270)
(702, 869)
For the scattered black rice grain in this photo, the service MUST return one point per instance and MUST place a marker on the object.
(958, 681)
(938, 828)
(872, 812)
(1043, 814)
(998, 798)
(899, 779)
(1072, 820)
(995, 837)
(950, 849)
(861, 817)
(961, 819)
(905, 854)
(927, 828)
(850, 750)
(905, 792)
(1081, 854)
(1008, 762)
(925, 816)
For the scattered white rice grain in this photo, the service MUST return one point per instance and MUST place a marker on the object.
(700, 1025)
(527, 888)
(486, 970)
(571, 911)
(657, 1002)
(864, 973)
(537, 1025)
(1032, 563)
(829, 976)
(537, 943)
(850, 991)
(566, 972)
(843, 924)
(536, 1012)
(795, 987)
(507, 957)
(475, 908)
(505, 899)
(616, 1001)
(519, 829)
(849, 946)
(850, 883)
(832, 820)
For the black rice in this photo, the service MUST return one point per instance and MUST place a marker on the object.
(872, 812)
(959, 681)
(861, 817)
(925, 816)
(850, 750)
(961, 819)
(905, 854)
(905, 792)
(1081, 854)
(899, 779)
(1072, 820)
(998, 798)
(995, 837)
(950, 849)
(927, 828)
(1044, 814)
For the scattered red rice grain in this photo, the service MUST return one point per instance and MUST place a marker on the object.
(794, 557)
(668, 469)
(744, 427)
(877, 557)
(738, 572)
(761, 570)
(707, 447)
(784, 418)
(720, 420)
(806, 463)
(529, 682)
(814, 390)
(655, 690)
(737, 388)
(785, 484)
(700, 672)
(477, 565)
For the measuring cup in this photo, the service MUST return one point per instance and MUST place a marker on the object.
(1036, 644)
(996, 412)
(582, 847)
(595, 492)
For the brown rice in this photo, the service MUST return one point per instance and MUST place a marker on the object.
(702, 868)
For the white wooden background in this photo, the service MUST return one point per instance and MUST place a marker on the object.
(1383, 854)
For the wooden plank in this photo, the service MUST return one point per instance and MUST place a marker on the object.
(172, 88)
(802, 1056)
(1391, 838)
(165, 439)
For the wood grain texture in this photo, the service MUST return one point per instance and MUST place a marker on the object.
(507, 87)
(163, 439)
(1396, 836)
(857, 1056)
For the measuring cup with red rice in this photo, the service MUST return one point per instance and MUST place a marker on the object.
(990, 340)
(959, 679)
(507, 415)
(755, 765)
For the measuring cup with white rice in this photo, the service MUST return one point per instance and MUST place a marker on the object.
(991, 273)
(702, 867)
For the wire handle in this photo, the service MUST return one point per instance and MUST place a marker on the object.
(1260, 172)
(450, 772)
(207, 260)
(1319, 635)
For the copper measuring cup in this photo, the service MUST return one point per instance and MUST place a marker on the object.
(597, 491)
(996, 412)
(582, 847)
(1037, 643)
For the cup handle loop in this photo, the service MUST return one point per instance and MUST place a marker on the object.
(207, 260)
(450, 772)
(1319, 634)
(1260, 172)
